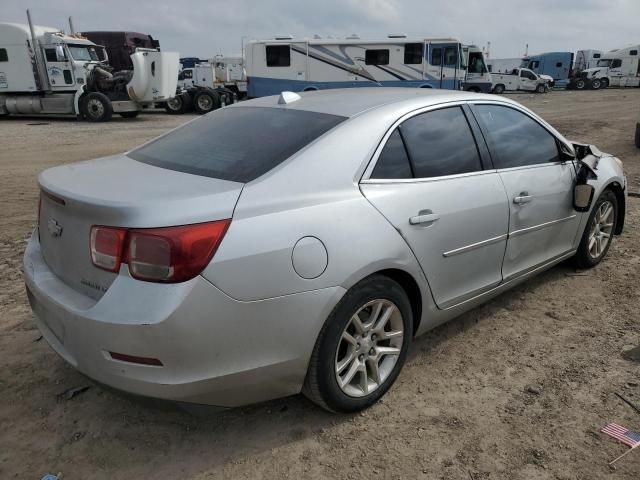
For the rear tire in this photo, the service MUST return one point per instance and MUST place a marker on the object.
(206, 101)
(178, 105)
(370, 349)
(598, 234)
(581, 84)
(596, 84)
(133, 114)
(498, 89)
(96, 107)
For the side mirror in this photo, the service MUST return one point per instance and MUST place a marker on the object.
(60, 55)
(582, 197)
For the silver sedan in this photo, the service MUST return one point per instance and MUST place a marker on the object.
(299, 243)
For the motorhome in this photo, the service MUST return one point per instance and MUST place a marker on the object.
(478, 78)
(586, 59)
(284, 63)
(45, 71)
(616, 68)
(556, 66)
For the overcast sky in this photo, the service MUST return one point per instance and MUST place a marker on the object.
(207, 27)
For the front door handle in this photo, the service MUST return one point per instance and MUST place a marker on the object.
(424, 216)
(523, 198)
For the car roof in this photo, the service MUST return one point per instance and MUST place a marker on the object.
(350, 102)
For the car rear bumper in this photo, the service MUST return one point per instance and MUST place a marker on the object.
(213, 349)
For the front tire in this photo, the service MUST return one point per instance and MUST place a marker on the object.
(581, 84)
(361, 347)
(540, 89)
(178, 105)
(598, 234)
(596, 84)
(96, 107)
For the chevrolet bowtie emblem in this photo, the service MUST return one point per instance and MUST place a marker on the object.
(55, 229)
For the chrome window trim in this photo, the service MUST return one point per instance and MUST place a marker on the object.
(540, 226)
(473, 246)
(374, 181)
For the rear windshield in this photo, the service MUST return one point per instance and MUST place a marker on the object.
(237, 144)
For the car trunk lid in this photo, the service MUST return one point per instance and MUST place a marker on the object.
(121, 192)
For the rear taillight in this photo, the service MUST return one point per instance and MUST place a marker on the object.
(107, 246)
(168, 254)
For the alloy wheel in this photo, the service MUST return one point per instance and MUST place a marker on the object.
(369, 347)
(601, 229)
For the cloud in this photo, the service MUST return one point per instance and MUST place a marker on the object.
(208, 27)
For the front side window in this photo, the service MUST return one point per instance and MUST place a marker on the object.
(604, 62)
(278, 55)
(3, 55)
(393, 162)
(238, 144)
(376, 57)
(617, 63)
(476, 63)
(528, 75)
(440, 143)
(413, 53)
(516, 139)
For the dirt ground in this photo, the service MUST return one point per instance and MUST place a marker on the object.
(516, 389)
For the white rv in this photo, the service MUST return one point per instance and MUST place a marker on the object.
(45, 71)
(617, 68)
(283, 64)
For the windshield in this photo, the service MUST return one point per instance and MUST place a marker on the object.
(238, 143)
(605, 62)
(86, 53)
(476, 63)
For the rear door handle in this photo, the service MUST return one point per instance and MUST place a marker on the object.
(523, 198)
(424, 216)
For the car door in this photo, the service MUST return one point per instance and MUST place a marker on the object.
(539, 185)
(527, 80)
(427, 179)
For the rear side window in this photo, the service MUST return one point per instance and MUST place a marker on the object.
(516, 139)
(633, 52)
(596, 55)
(237, 144)
(558, 64)
(393, 162)
(376, 57)
(3, 55)
(278, 55)
(440, 143)
(617, 63)
(413, 53)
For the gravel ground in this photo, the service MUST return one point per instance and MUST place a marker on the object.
(516, 389)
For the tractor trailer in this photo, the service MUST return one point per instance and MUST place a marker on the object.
(46, 71)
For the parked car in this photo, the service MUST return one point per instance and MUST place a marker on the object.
(519, 79)
(300, 242)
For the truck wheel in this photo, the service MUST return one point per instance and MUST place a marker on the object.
(206, 101)
(596, 84)
(133, 114)
(540, 88)
(96, 107)
(580, 84)
(179, 104)
(498, 89)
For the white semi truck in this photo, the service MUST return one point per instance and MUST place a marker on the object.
(519, 79)
(45, 71)
(617, 68)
